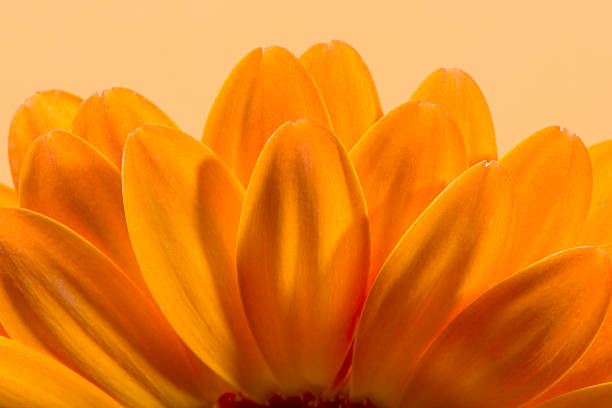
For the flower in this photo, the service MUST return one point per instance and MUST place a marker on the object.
(311, 252)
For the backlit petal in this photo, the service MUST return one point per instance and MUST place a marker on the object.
(403, 162)
(598, 226)
(33, 380)
(266, 88)
(303, 255)
(59, 294)
(106, 119)
(594, 367)
(461, 97)
(67, 179)
(519, 337)
(347, 87)
(8, 196)
(553, 177)
(42, 112)
(598, 396)
(183, 207)
(443, 262)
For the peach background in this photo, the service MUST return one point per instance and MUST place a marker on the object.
(538, 62)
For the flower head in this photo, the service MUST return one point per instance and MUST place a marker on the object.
(310, 251)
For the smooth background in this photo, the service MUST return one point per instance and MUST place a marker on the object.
(538, 62)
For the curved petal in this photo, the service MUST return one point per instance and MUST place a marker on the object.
(106, 119)
(513, 342)
(42, 112)
(347, 87)
(598, 396)
(597, 229)
(403, 162)
(461, 97)
(65, 178)
(264, 90)
(443, 262)
(59, 294)
(8, 196)
(183, 207)
(594, 367)
(33, 380)
(553, 178)
(303, 255)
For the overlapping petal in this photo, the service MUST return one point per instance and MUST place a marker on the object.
(597, 229)
(518, 338)
(403, 162)
(553, 176)
(597, 396)
(303, 255)
(33, 380)
(461, 97)
(443, 262)
(42, 112)
(183, 207)
(347, 87)
(265, 89)
(8, 196)
(105, 119)
(594, 367)
(67, 179)
(59, 294)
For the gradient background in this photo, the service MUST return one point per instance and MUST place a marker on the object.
(538, 62)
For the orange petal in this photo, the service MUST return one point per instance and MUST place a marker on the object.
(303, 255)
(59, 294)
(183, 207)
(594, 367)
(347, 87)
(597, 229)
(8, 196)
(65, 178)
(266, 88)
(459, 94)
(106, 119)
(42, 112)
(552, 173)
(443, 262)
(519, 337)
(33, 380)
(403, 162)
(598, 396)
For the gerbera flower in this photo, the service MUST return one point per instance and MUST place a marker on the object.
(311, 252)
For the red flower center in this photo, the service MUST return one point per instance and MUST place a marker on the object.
(306, 400)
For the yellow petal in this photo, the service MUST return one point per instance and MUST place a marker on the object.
(347, 87)
(183, 207)
(303, 255)
(553, 178)
(461, 97)
(65, 178)
(519, 337)
(594, 367)
(59, 294)
(8, 196)
(598, 396)
(42, 112)
(106, 119)
(598, 226)
(266, 88)
(32, 380)
(403, 162)
(443, 262)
